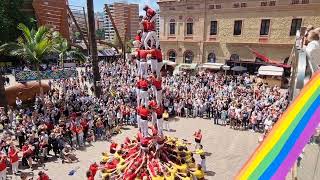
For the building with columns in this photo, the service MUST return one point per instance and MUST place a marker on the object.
(200, 31)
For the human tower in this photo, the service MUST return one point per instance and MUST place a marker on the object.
(150, 154)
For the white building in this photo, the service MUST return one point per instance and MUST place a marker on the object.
(109, 30)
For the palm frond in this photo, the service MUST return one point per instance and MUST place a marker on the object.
(25, 31)
(41, 34)
(8, 47)
(76, 55)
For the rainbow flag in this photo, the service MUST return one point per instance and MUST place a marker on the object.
(276, 155)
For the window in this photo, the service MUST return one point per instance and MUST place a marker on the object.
(236, 5)
(265, 25)
(294, 1)
(237, 27)
(243, 5)
(213, 27)
(264, 3)
(212, 57)
(172, 8)
(272, 3)
(305, 2)
(172, 55)
(295, 25)
(172, 27)
(190, 26)
(190, 7)
(218, 6)
(188, 57)
(234, 57)
(211, 6)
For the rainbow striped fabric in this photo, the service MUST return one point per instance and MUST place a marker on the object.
(280, 149)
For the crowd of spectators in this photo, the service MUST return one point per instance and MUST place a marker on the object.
(69, 117)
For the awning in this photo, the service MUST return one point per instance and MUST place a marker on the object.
(270, 71)
(239, 68)
(106, 53)
(268, 60)
(214, 66)
(188, 66)
(170, 63)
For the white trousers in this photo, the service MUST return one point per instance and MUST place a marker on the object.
(160, 126)
(159, 66)
(152, 36)
(143, 71)
(138, 66)
(3, 174)
(203, 164)
(144, 97)
(144, 35)
(144, 127)
(15, 167)
(159, 97)
(166, 125)
(138, 96)
(154, 65)
(139, 122)
(154, 118)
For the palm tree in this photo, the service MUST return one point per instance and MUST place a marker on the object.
(32, 47)
(62, 47)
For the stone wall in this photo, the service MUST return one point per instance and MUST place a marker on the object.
(277, 44)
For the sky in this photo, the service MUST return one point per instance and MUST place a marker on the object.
(99, 4)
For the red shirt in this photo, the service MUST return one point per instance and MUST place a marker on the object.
(159, 111)
(143, 84)
(145, 26)
(142, 54)
(144, 112)
(158, 54)
(13, 156)
(153, 104)
(151, 26)
(138, 85)
(157, 83)
(43, 177)
(198, 135)
(3, 164)
(138, 38)
(150, 13)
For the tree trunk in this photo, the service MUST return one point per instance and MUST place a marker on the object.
(93, 49)
(3, 98)
(39, 80)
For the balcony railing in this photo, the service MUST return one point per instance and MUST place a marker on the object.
(303, 67)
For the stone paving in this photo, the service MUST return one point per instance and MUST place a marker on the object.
(227, 149)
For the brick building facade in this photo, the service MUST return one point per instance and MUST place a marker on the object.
(53, 13)
(198, 31)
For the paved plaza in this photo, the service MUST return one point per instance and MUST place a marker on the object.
(226, 149)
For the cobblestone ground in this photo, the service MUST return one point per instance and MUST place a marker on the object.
(227, 150)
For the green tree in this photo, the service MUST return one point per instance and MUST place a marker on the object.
(129, 46)
(116, 41)
(100, 33)
(32, 47)
(62, 47)
(10, 17)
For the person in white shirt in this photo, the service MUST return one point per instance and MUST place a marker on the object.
(313, 47)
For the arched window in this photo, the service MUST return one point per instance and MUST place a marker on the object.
(188, 57)
(172, 55)
(189, 26)
(211, 57)
(172, 27)
(235, 57)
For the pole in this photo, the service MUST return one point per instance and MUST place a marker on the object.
(93, 49)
